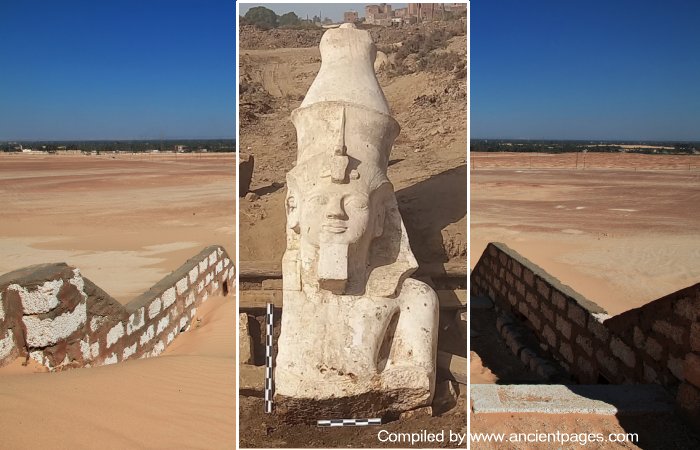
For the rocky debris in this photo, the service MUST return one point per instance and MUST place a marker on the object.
(251, 196)
(253, 38)
(426, 411)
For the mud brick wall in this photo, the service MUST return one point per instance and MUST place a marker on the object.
(54, 315)
(656, 343)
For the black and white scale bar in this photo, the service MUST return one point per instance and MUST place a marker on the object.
(347, 422)
(268, 358)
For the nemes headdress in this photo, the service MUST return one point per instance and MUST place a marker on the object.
(345, 133)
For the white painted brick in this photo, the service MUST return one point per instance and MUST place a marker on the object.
(205, 297)
(210, 276)
(224, 276)
(154, 308)
(158, 348)
(203, 265)
(45, 332)
(227, 262)
(219, 267)
(78, 282)
(231, 272)
(128, 351)
(212, 258)
(37, 356)
(183, 322)
(96, 322)
(215, 285)
(2, 308)
(85, 349)
(115, 334)
(7, 343)
(111, 359)
(173, 314)
(136, 321)
(200, 286)
(193, 312)
(169, 296)
(181, 286)
(190, 299)
(41, 300)
(147, 335)
(170, 338)
(194, 273)
(95, 350)
(162, 323)
(219, 252)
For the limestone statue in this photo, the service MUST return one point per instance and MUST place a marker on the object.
(358, 336)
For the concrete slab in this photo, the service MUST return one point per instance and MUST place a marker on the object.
(571, 399)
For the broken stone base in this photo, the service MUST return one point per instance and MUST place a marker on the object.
(378, 404)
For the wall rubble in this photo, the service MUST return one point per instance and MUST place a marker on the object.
(54, 315)
(656, 343)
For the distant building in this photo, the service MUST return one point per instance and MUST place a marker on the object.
(350, 16)
(378, 14)
(426, 11)
(180, 148)
(401, 12)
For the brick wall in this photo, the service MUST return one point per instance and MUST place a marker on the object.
(54, 315)
(656, 343)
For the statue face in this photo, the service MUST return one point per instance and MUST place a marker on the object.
(335, 213)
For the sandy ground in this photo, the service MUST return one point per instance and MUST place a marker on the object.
(652, 432)
(124, 221)
(184, 398)
(623, 232)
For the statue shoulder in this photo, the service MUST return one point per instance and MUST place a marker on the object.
(417, 287)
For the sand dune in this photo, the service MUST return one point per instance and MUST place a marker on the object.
(184, 398)
(125, 221)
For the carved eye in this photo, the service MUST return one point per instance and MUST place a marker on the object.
(318, 200)
(356, 203)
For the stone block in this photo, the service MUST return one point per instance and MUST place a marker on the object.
(246, 164)
(673, 332)
(691, 369)
(577, 315)
(653, 348)
(245, 343)
(559, 300)
(622, 351)
(564, 326)
(543, 288)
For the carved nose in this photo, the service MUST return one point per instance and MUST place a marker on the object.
(335, 209)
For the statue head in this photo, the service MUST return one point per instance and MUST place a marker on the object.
(344, 227)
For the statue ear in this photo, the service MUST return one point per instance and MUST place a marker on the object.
(379, 204)
(292, 213)
(379, 220)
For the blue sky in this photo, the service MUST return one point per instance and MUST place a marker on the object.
(117, 69)
(622, 69)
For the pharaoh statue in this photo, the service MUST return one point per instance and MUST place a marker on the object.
(358, 336)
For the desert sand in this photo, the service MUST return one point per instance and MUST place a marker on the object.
(623, 232)
(184, 398)
(125, 221)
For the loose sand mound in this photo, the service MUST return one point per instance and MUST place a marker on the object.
(184, 398)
